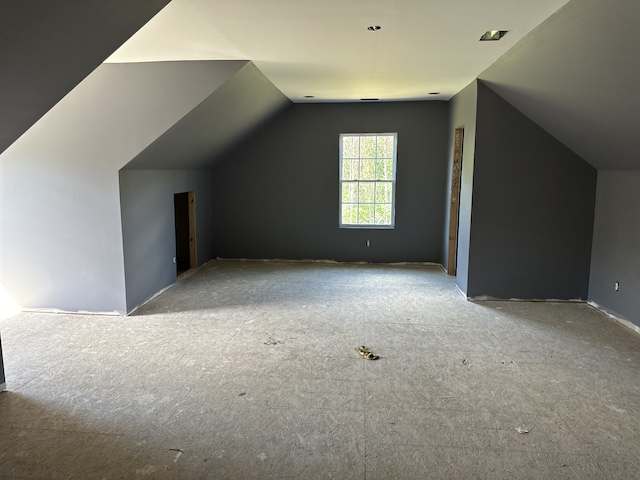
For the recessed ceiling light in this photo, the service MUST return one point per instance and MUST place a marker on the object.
(309, 96)
(493, 35)
(369, 99)
(374, 28)
(434, 93)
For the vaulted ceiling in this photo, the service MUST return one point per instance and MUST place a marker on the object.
(578, 77)
(324, 48)
(570, 66)
(230, 112)
(47, 48)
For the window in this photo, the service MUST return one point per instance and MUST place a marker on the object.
(367, 180)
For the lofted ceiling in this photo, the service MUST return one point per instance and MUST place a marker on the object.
(233, 110)
(47, 48)
(568, 65)
(425, 49)
(577, 76)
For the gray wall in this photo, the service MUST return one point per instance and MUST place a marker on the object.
(276, 196)
(47, 48)
(616, 244)
(238, 107)
(533, 204)
(61, 232)
(575, 76)
(462, 113)
(148, 234)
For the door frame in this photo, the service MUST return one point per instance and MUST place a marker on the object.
(186, 257)
(454, 202)
(193, 257)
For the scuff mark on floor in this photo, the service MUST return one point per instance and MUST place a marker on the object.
(148, 470)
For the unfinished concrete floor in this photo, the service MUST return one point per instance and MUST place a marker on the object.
(247, 370)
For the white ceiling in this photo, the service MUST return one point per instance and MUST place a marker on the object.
(323, 48)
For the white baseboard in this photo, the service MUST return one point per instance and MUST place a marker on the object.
(622, 321)
(73, 312)
(157, 294)
(488, 298)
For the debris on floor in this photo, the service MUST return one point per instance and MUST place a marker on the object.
(273, 341)
(465, 361)
(366, 353)
(522, 430)
(417, 414)
(178, 453)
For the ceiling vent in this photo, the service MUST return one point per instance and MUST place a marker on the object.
(374, 28)
(493, 35)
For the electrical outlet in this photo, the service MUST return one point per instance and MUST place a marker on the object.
(616, 286)
(368, 243)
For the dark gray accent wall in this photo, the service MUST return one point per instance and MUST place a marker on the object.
(47, 48)
(148, 233)
(230, 113)
(575, 75)
(616, 244)
(462, 113)
(277, 194)
(533, 204)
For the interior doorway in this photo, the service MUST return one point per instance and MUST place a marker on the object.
(184, 205)
(454, 206)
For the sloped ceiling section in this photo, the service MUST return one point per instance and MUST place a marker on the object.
(231, 112)
(578, 77)
(47, 48)
(61, 241)
(324, 48)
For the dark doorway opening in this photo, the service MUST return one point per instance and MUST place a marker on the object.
(185, 227)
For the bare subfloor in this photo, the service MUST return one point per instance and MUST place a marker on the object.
(248, 370)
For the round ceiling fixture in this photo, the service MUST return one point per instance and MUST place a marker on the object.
(374, 28)
(309, 96)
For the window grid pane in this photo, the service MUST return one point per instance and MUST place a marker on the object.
(367, 174)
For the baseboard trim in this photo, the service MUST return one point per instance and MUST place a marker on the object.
(622, 321)
(330, 262)
(181, 277)
(488, 298)
(72, 312)
(157, 294)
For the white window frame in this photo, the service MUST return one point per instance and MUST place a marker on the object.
(376, 182)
